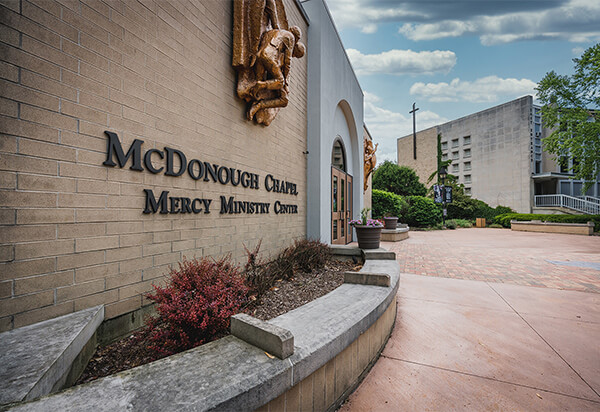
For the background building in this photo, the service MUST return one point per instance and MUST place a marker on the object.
(498, 155)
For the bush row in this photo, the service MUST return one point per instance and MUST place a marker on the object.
(419, 211)
(505, 219)
(388, 204)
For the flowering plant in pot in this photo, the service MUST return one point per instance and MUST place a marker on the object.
(368, 231)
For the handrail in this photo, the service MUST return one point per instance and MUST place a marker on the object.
(569, 202)
(590, 199)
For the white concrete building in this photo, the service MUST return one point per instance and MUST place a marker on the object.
(335, 137)
(498, 155)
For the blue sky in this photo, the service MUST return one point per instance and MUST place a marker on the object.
(454, 58)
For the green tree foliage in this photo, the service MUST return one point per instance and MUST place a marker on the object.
(400, 180)
(388, 204)
(466, 207)
(571, 106)
(440, 163)
(422, 212)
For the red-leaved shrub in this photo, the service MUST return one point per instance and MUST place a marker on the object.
(195, 306)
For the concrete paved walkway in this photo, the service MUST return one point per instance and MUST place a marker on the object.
(570, 262)
(491, 343)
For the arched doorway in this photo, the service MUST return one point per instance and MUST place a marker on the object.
(341, 196)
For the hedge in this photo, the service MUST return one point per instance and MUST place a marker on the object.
(388, 204)
(422, 212)
(505, 219)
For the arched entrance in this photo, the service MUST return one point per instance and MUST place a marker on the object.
(341, 196)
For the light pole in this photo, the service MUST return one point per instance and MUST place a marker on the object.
(442, 174)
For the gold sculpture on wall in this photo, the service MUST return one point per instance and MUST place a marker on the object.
(263, 47)
(370, 160)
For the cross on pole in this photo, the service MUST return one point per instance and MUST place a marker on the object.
(414, 112)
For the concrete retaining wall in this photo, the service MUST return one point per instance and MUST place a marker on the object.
(551, 227)
(336, 338)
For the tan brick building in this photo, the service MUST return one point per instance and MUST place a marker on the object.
(76, 231)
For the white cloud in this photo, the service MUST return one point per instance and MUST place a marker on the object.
(575, 22)
(485, 89)
(402, 62)
(386, 126)
(494, 22)
(577, 51)
(436, 30)
(369, 28)
(365, 15)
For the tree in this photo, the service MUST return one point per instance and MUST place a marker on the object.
(400, 180)
(571, 106)
(440, 163)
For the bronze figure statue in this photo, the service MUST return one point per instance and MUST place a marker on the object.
(370, 160)
(263, 47)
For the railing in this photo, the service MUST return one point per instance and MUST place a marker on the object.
(569, 202)
(590, 199)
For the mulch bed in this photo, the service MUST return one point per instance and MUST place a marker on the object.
(286, 295)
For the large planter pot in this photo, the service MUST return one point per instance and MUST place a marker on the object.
(368, 237)
(390, 222)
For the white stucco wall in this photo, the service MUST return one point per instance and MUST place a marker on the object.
(335, 108)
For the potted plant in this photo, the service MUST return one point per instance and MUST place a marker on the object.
(391, 222)
(368, 231)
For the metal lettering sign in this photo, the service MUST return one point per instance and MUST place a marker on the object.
(197, 170)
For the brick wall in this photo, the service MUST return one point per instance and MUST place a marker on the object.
(72, 231)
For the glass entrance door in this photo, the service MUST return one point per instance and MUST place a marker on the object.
(341, 207)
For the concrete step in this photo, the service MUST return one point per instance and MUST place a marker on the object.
(35, 360)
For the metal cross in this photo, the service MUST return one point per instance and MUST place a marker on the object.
(414, 112)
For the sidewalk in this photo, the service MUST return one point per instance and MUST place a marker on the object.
(491, 344)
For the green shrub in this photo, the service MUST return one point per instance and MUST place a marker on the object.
(459, 223)
(451, 224)
(500, 210)
(469, 208)
(495, 226)
(422, 212)
(505, 219)
(388, 204)
(401, 180)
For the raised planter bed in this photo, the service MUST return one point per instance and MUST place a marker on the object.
(552, 227)
(336, 338)
(394, 235)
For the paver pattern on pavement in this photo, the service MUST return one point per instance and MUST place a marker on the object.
(485, 324)
(501, 255)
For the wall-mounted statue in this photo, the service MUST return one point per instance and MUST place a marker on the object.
(370, 160)
(263, 47)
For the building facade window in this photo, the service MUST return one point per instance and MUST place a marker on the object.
(454, 155)
(466, 140)
(468, 191)
(467, 178)
(467, 153)
(444, 145)
(454, 143)
(455, 168)
(467, 166)
(444, 156)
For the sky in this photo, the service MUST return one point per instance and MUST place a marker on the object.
(454, 58)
